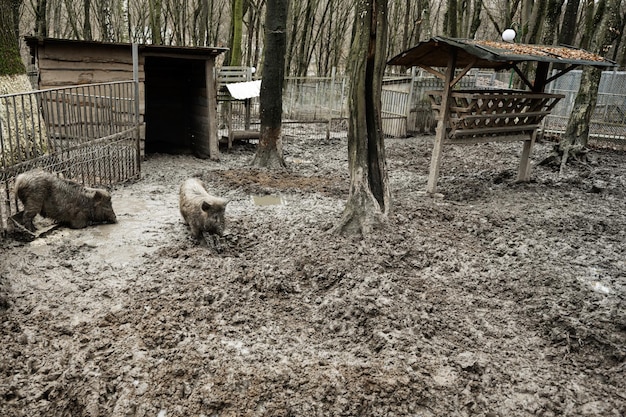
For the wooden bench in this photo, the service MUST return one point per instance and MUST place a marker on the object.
(237, 135)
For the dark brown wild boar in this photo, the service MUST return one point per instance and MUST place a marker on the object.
(64, 201)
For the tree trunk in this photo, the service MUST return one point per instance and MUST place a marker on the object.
(155, 10)
(574, 141)
(41, 18)
(568, 28)
(10, 60)
(236, 33)
(369, 198)
(87, 22)
(589, 21)
(269, 152)
(200, 23)
(553, 15)
(451, 28)
(476, 21)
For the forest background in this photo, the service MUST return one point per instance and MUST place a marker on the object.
(319, 31)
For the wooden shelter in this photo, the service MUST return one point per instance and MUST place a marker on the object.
(471, 116)
(177, 87)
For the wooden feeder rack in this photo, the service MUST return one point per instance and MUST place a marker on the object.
(474, 116)
(492, 115)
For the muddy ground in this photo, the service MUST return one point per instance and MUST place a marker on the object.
(495, 299)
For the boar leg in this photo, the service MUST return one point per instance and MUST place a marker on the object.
(30, 211)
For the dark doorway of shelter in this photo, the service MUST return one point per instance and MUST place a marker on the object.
(171, 85)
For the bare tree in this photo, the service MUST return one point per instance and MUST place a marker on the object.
(155, 8)
(619, 55)
(269, 153)
(369, 199)
(87, 20)
(462, 19)
(105, 20)
(574, 142)
(570, 17)
(553, 16)
(450, 22)
(41, 18)
(236, 33)
(329, 50)
(255, 11)
(10, 60)
(532, 19)
(412, 15)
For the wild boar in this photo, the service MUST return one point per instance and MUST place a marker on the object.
(202, 211)
(65, 201)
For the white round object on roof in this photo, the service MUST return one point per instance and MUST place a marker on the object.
(508, 35)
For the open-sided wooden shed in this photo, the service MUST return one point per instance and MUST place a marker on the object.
(177, 86)
(471, 116)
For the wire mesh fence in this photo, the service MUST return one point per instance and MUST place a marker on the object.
(608, 122)
(86, 133)
(406, 109)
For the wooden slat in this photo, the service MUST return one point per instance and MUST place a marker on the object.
(520, 115)
(494, 130)
(468, 140)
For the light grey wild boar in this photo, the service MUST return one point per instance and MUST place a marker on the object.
(67, 202)
(202, 211)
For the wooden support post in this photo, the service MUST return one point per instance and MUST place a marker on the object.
(444, 115)
(541, 75)
(229, 122)
(211, 110)
(523, 173)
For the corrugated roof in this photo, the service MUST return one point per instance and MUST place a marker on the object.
(435, 52)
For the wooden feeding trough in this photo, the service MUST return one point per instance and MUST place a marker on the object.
(473, 116)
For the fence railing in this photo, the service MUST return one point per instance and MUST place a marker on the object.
(406, 108)
(608, 122)
(86, 133)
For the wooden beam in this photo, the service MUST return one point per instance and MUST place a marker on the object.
(561, 73)
(433, 71)
(435, 160)
(523, 77)
(463, 72)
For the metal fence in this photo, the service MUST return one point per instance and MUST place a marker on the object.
(87, 133)
(406, 110)
(317, 104)
(323, 102)
(608, 122)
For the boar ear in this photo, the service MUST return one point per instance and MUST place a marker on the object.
(100, 195)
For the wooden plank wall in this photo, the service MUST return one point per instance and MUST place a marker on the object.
(68, 65)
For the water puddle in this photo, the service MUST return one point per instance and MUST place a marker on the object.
(139, 225)
(267, 200)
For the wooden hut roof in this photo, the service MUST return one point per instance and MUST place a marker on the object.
(435, 52)
(157, 50)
